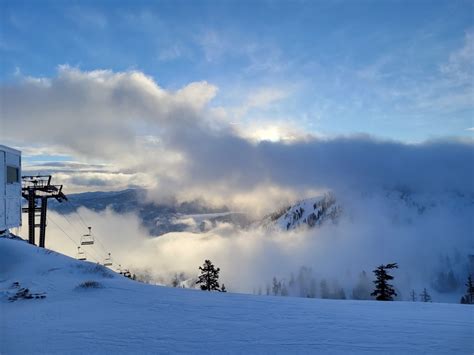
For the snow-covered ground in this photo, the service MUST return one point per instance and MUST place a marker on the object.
(124, 316)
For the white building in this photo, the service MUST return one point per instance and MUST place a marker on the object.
(10, 188)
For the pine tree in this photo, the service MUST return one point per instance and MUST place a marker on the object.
(469, 296)
(223, 289)
(383, 290)
(276, 288)
(413, 296)
(340, 294)
(209, 278)
(175, 282)
(323, 286)
(362, 290)
(425, 296)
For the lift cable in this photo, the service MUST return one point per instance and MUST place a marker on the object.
(93, 256)
(107, 257)
(76, 232)
(87, 226)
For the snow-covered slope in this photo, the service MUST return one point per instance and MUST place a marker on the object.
(123, 316)
(305, 213)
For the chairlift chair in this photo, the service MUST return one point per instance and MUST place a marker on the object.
(87, 239)
(108, 260)
(81, 255)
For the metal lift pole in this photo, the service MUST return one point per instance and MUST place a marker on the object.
(44, 208)
(31, 216)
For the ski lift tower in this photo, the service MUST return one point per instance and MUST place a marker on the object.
(39, 189)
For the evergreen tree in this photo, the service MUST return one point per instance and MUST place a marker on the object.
(175, 282)
(413, 296)
(292, 282)
(445, 282)
(223, 289)
(209, 278)
(383, 290)
(312, 288)
(276, 288)
(177, 279)
(362, 290)
(469, 296)
(425, 296)
(340, 294)
(323, 286)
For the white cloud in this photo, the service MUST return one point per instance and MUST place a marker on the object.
(460, 66)
(96, 112)
(172, 141)
(373, 229)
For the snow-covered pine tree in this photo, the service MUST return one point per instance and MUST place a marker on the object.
(209, 278)
(425, 296)
(383, 290)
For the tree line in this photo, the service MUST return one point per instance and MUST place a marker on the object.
(305, 285)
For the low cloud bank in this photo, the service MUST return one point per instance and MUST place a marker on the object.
(373, 230)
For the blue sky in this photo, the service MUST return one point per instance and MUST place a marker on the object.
(338, 67)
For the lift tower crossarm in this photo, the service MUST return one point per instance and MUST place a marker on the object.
(35, 188)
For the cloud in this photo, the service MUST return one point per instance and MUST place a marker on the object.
(374, 229)
(172, 141)
(213, 46)
(123, 129)
(460, 66)
(261, 98)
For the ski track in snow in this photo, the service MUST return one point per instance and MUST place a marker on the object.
(129, 317)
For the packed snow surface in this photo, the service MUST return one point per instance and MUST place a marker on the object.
(124, 316)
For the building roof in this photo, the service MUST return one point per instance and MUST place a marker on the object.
(9, 150)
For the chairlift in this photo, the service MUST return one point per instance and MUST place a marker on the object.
(108, 260)
(81, 255)
(87, 239)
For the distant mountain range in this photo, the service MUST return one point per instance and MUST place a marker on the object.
(197, 216)
(158, 218)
